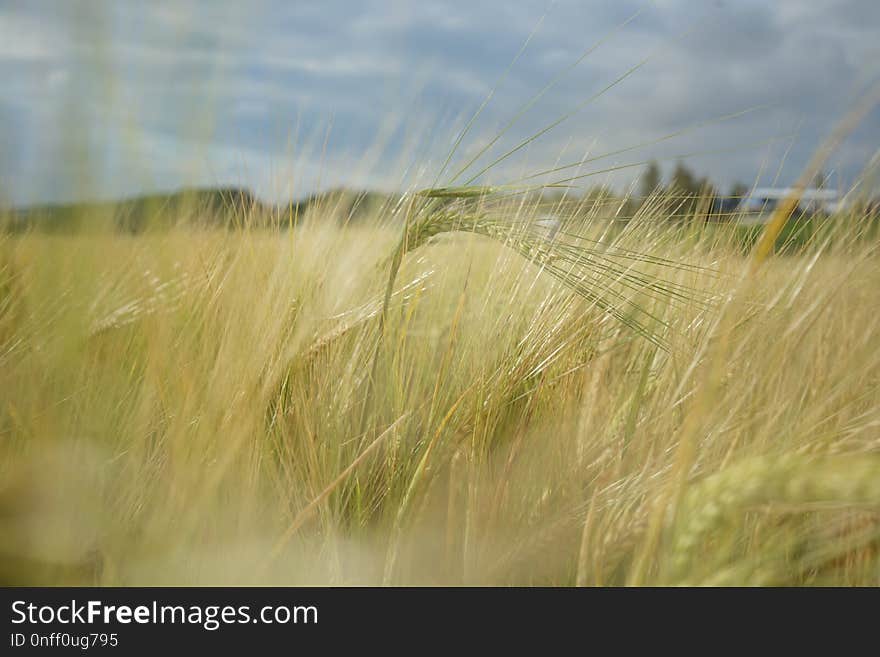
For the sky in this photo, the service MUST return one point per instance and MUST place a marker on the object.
(105, 99)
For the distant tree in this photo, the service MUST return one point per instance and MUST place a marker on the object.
(683, 191)
(738, 190)
(651, 180)
(820, 180)
(704, 203)
(705, 188)
(728, 206)
(683, 181)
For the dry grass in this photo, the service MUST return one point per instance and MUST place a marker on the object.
(197, 406)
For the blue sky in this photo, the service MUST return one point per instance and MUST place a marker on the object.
(105, 99)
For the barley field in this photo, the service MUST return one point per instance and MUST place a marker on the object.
(475, 402)
(432, 347)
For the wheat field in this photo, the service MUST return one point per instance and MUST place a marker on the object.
(622, 404)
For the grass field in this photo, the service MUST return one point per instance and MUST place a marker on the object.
(207, 406)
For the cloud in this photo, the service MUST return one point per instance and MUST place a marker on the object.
(208, 81)
(25, 38)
